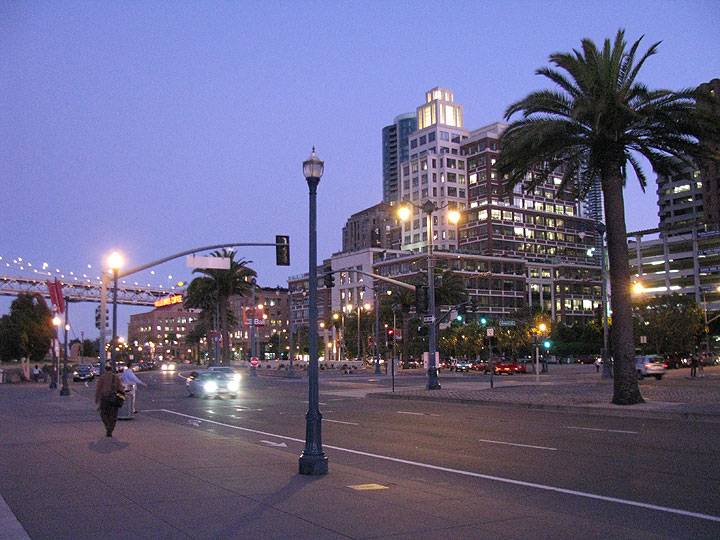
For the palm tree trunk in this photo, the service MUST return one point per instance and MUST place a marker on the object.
(224, 330)
(626, 390)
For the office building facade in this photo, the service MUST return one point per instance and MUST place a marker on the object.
(374, 227)
(395, 151)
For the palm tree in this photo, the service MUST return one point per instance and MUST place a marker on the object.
(213, 290)
(597, 122)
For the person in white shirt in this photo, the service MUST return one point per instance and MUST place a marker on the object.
(130, 380)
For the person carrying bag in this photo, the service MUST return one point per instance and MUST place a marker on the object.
(109, 396)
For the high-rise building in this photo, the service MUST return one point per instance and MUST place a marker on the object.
(680, 201)
(395, 151)
(711, 173)
(543, 225)
(434, 171)
(374, 227)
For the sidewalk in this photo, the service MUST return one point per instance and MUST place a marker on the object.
(677, 396)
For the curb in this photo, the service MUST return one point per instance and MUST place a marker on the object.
(569, 409)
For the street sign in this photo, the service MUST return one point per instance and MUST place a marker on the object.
(254, 361)
(217, 263)
(507, 322)
(428, 318)
(643, 339)
(490, 332)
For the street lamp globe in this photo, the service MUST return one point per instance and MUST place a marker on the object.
(542, 327)
(367, 307)
(313, 167)
(404, 213)
(56, 321)
(453, 217)
(115, 261)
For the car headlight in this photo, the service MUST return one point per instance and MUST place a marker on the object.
(210, 387)
(233, 386)
(75, 372)
(237, 377)
(171, 367)
(163, 367)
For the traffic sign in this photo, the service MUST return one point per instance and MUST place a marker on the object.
(490, 332)
(507, 322)
(254, 361)
(428, 318)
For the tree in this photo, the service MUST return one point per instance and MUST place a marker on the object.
(213, 290)
(673, 325)
(26, 332)
(597, 122)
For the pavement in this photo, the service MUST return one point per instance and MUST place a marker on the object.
(162, 477)
(580, 389)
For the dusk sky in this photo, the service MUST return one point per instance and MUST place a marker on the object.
(154, 127)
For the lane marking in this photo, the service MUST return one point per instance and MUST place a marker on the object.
(276, 444)
(417, 413)
(500, 479)
(368, 487)
(603, 430)
(341, 422)
(517, 444)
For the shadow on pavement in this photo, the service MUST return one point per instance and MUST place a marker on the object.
(107, 445)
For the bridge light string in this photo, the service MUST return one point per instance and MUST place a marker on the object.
(45, 269)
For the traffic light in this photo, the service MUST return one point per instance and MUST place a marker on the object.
(391, 332)
(97, 317)
(421, 301)
(329, 280)
(547, 344)
(461, 314)
(282, 250)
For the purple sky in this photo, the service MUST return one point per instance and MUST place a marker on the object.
(153, 127)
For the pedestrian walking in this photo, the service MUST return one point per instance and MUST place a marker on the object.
(36, 373)
(130, 382)
(598, 363)
(107, 388)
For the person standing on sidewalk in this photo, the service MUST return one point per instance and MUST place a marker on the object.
(106, 387)
(130, 380)
(693, 365)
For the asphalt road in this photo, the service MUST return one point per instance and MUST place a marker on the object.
(637, 477)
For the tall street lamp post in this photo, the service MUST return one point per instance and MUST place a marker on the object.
(708, 321)
(405, 213)
(65, 390)
(313, 460)
(55, 361)
(605, 353)
(377, 331)
(115, 262)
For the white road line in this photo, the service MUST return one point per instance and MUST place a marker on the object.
(413, 413)
(543, 487)
(603, 430)
(341, 422)
(517, 444)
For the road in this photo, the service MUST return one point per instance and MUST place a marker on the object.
(583, 473)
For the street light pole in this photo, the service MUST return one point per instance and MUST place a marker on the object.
(65, 390)
(606, 371)
(433, 383)
(253, 351)
(313, 460)
(377, 331)
(115, 261)
(55, 361)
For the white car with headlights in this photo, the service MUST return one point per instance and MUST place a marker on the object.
(168, 366)
(213, 384)
(226, 370)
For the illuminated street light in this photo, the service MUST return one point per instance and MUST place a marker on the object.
(115, 261)
(638, 288)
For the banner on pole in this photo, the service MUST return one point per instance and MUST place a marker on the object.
(215, 263)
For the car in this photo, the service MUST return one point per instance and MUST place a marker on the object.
(650, 365)
(463, 366)
(168, 367)
(506, 368)
(213, 384)
(410, 364)
(480, 365)
(224, 369)
(83, 372)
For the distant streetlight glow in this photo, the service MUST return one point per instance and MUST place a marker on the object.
(404, 213)
(115, 261)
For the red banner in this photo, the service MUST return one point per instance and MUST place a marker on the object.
(56, 295)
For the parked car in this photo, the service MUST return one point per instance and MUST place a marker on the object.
(213, 384)
(507, 368)
(410, 364)
(480, 365)
(463, 366)
(650, 365)
(83, 372)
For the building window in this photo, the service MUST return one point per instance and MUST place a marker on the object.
(444, 136)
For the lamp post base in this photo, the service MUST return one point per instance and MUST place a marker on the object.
(313, 465)
(433, 383)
